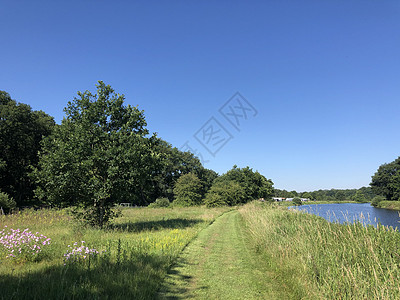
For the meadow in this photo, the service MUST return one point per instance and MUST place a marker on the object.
(127, 260)
(333, 261)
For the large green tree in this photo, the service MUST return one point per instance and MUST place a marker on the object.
(173, 164)
(225, 193)
(21, 130)
(187, 190)
(97, 157)
(386, 180)
(254, 184)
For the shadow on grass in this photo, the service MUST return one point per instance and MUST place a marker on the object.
(138, 279)
(177, 286)
(176, 223)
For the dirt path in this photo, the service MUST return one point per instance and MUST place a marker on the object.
(220, 264)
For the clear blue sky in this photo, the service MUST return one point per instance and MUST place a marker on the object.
(323, 76)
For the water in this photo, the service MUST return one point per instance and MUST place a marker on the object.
(351, 212)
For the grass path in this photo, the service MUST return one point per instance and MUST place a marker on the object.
(220, 264)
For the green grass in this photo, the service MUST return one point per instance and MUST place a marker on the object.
(336, 261)
(394, 205)
(139, 250)
(222, 264)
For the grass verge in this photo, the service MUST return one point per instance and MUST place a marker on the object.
(393, 205)
(336, 261)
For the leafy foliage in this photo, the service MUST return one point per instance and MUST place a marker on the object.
(376, 200)
(97, 157)
(21, 131)
(254, 184)
(6, 202)
(188, 190)
(297, 201)
(160, 202)
(225, 193)
(359, 197)
(386, 181)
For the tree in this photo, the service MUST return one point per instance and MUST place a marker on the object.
(340, 195)
(359, 197)
(97, 157)
(253, 183)
(297, 201)
(174, 163)
(386, 181)
(306, 195)
(187, 190)
(21, 131)
(225, 193)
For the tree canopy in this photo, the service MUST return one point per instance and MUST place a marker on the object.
(188, 190)
(21, 130)
(386, 180)
(97, 157)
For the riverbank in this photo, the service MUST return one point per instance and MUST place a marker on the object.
(290, 203)
(393, 205)
(336, 261)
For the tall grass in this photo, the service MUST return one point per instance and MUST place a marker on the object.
(128, 260)
(337, 261)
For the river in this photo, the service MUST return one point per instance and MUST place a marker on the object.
(351, 212)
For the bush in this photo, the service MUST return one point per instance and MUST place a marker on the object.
(6, 202)
(297, 201)
(224, 193)
(376, 200)
(160, 202)
(187, 190)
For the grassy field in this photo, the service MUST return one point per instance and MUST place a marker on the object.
(336, 261)
(222, 264)
(133, 256)
(259, 251)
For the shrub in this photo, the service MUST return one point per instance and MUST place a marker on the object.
(224, 193)
(6, 202)
(160, 202)
(187, 190)
(376, 200)
(297, 201)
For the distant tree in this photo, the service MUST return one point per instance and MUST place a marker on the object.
(225, 193)
(173, 164)
(254, 184)
(21, 130)
(340, 195)
(97, 157)
(294, 193)
(297, 201)
(188, 190)
(359, 197)
(386, 181)
(306, 195)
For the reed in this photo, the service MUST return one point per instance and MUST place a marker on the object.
(339, 261)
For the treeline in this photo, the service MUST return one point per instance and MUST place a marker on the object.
(100, 155)
(364, 194)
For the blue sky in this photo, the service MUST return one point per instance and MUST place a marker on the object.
(323, 77)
